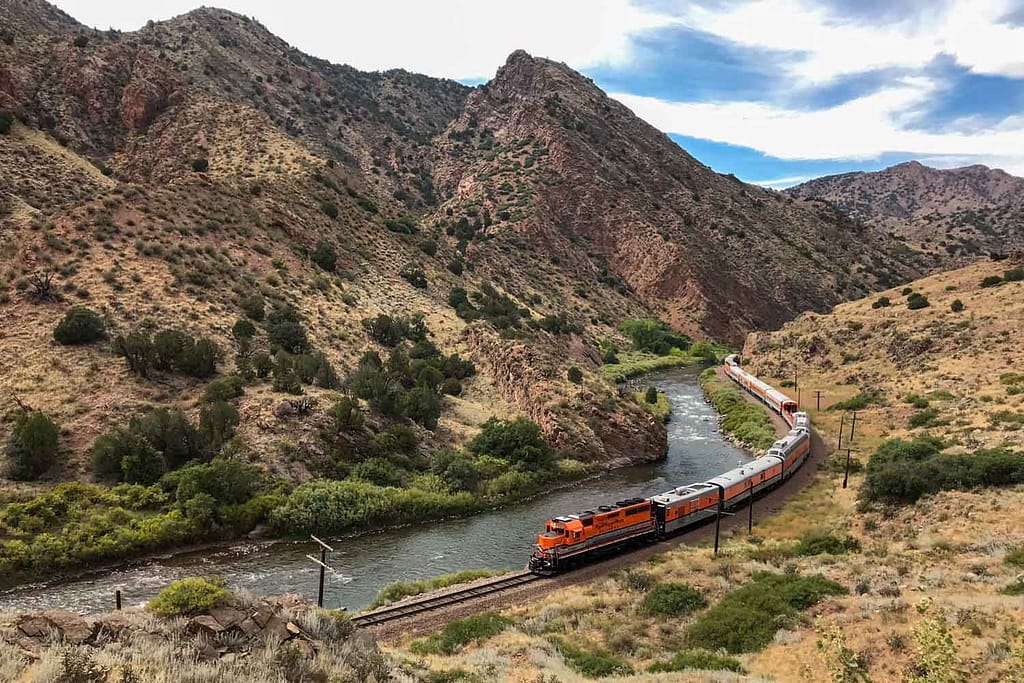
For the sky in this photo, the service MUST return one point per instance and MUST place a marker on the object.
(773, 91)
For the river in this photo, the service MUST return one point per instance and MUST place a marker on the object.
(498, 539)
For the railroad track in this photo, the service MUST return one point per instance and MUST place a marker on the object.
(408, 609)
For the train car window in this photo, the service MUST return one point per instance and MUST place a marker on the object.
(588, 522)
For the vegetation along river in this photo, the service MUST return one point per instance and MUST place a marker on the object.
(498, 539)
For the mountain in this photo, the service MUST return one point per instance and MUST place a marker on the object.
(160, 177)
(959, 212)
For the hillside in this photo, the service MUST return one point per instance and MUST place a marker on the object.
(161, 176)
(951, 213)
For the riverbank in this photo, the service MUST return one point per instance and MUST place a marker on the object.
(748, 425)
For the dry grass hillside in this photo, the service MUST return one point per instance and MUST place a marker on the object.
(952, 214)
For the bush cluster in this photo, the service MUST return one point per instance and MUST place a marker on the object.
(168, 351)
(410, 383)
(653, 336)
(292, 371)
(821, 542)
(487, 304)
(903, 471)
(394, 592)
(698, 659)
(917, 301)
(461, 632)
(391, 332)
(414, 275)
(559, 324)
(286, 332)
(746, 619)
(592, 663)
(857, 402)
(881, 302)
(325, 257)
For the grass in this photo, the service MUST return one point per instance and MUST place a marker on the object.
(461, 632)
(592, 663)
(402, 589)
(746, 619)
(671, 600)
(661, 410)
(698, 659)
(745, 421)
(633, 363)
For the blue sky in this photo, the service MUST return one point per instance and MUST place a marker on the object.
(774, 91)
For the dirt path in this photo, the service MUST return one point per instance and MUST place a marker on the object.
(737, 523)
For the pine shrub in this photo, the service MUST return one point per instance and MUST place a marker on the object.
(79, 326)
(32, 447)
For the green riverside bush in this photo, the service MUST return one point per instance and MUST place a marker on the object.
(394, 592)
(745, 421)
(592, 663)
(821, 542)
(189, 596)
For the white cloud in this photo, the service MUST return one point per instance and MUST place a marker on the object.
(827, 45)
(860, 129)
(462, 39)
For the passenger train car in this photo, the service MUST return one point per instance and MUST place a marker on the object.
(575, 539)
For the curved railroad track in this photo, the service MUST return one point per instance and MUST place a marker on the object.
(404, 610)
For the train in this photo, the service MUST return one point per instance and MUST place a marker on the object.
(571, 540)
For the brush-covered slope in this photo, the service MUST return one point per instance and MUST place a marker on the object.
(951, 213)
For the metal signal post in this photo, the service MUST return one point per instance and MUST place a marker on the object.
(323, 567)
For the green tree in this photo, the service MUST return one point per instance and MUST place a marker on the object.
(956, 306)
(243, 330)
(79, 326)
(346, 414)
(253, 306)
(651, 395)
(170, 432)
(32, 447)
(140, 462)
(653, 336)
(518, 441)
(138, 352)
(422, 405)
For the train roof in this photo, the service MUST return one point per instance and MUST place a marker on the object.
(779, 396)
(743, 472)
(600, 510)
(683, 493)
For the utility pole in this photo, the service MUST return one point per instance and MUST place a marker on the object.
(798, 398)
(323, 568)
(846, 477)
(842, 424)
(795, 382)
(853, 426)
(817, 400)
(750, 510)
(718, 517)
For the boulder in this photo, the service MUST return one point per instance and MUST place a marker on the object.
(69, 627)
(204, 624)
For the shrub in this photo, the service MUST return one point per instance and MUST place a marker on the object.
(596, 664)
(428, 246)
(422, 405)
(6, 120)
(253, 306)
(991, 281)
(79, 326)
(698, 659)
(907, 291)
(651, 395)
(461, 632)
(1015, 557)
(1013, 275)
(881, 302)
(225, 480)
(821, 542)
(746, 619)
(329, 209)
(403, 225)
(346, 415)
(956, 306)
(325, 257)
(32, 447)
(170, 432)
(138, 352)
(574, 375)
(224, 389)
(924, 418)
(451, 387)
(653, 336)
(518, 441)
(190, 596)
(140, 462)
(198, 358)
(917, 301)
(903, 471)
(559, 324)
(390, 332)
(200, 165)
(671, 600)
(243, 330)
(414, 275)
(217, 422)
(857, 402)
(747, 422)
(1015, 588)
(455, 267)
(705, 351)
(288, 335)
